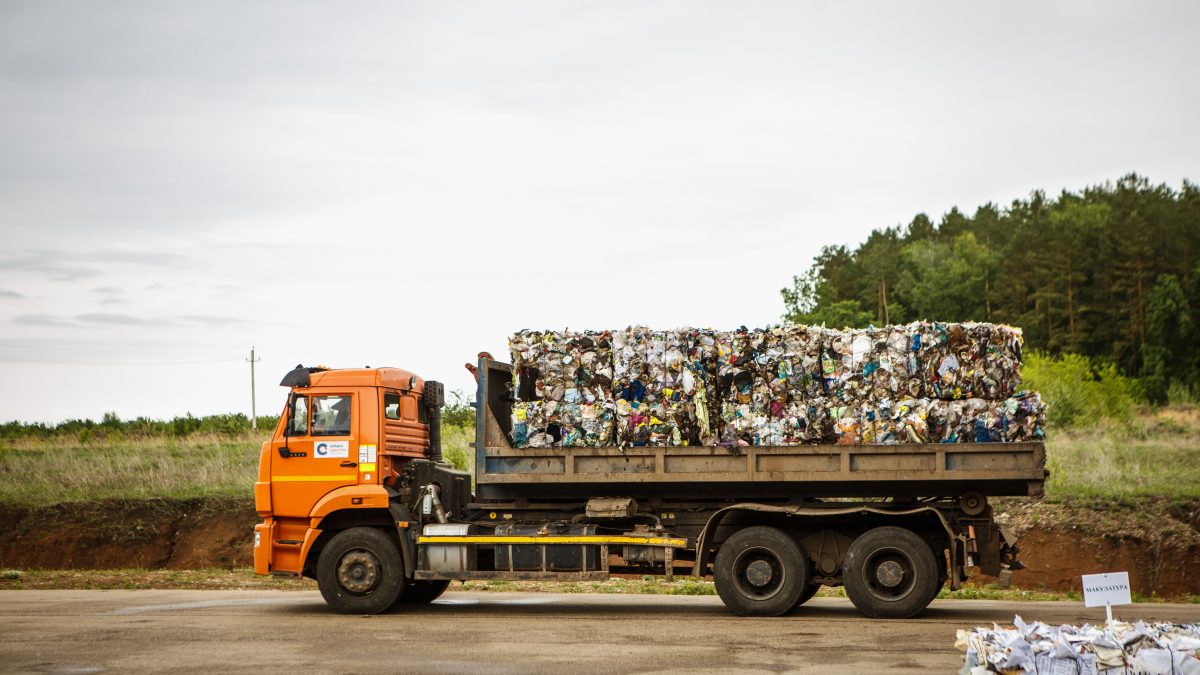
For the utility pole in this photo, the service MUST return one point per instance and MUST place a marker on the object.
(253, 402)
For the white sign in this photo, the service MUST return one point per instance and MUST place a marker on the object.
(366, 454)
(331, 449)
(1111, 588)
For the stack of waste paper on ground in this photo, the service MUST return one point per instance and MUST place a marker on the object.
(1119, 648)
(923, 382)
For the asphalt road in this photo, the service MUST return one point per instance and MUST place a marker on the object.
(281, 631)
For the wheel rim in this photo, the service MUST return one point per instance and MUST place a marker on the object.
(889, 574)
(358, 572)
(758, 573)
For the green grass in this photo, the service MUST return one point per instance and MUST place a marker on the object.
(39, 472)
(1155, 454)
(456, 446)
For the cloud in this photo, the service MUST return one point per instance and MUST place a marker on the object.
(110, 295)
(42, 320)
(105, 319)
(135, 257)
(61, 265)
(52, 264)
(209, 320)
(5, 293)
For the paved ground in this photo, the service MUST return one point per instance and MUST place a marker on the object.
(274, 631)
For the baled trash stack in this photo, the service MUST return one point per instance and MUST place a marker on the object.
(967, 360)
(770, 386)
(563, 385)
(923, 382)
(662, 386)
(1037, 649)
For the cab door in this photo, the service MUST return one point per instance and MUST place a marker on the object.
(319, 452)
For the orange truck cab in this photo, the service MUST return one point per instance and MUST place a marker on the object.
(354, 450)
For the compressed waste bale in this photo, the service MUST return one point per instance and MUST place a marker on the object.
(1019, 418)
(771, 388)
(885, 422)
(1027, 417)
(861, 363)
(968, 360)
(661, 385)
(563, 385)
(1119, 647)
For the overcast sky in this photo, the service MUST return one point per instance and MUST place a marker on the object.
(406, 184)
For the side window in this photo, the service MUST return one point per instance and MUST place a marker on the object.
(391, 405)
(331, 416)
(298, 417)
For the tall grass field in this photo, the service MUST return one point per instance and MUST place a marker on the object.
(1151, 453)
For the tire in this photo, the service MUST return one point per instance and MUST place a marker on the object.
(890, 573)
(761, 571)
(422, 592)
(360, 571)
(806, 595)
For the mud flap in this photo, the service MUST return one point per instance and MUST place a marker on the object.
(404, 525)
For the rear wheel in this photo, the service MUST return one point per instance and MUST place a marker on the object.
(360, 571)
(761, 571)
(890, 572)
(422, 592)
(807, 594)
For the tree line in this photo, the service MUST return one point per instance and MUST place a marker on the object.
(1109, 272)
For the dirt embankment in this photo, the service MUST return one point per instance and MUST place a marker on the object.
(149, 533)
(1158, 543)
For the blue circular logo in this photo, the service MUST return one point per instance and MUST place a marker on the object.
(321, 448)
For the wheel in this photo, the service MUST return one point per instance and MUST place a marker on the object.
(890, 572)
(972, 503)
(806, 594)
(360, 571)
(422, 592)
(760, 571)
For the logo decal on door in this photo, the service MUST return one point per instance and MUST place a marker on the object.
(332, 449)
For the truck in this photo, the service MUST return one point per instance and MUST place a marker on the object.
(353, 492)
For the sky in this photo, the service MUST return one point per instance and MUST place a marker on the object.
(406, 184)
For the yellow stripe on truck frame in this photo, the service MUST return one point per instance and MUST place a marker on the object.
(297, 479)
(555, 539)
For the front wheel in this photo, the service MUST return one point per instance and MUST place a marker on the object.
(422, 592)
(360, 571)
(761, 571)
(890, 573)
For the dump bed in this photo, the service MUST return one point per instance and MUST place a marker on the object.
(919, 470)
